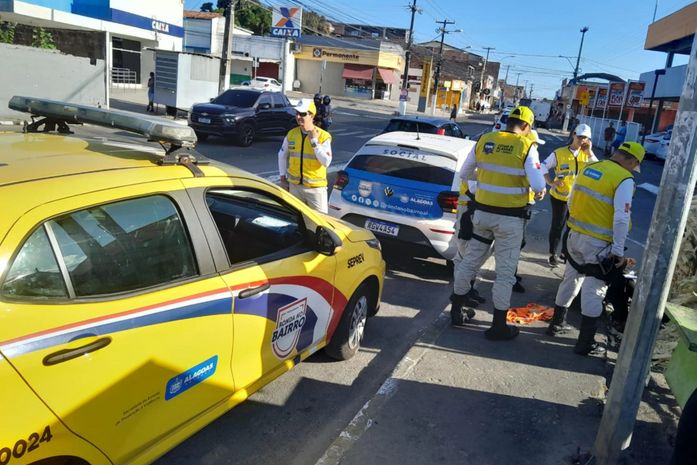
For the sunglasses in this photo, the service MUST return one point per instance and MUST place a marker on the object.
(582, 137)
(301, 114)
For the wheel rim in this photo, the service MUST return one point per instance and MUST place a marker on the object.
(359, 315)
(248, 135)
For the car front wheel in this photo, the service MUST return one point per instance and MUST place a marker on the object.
(348, 335)
(246, 135)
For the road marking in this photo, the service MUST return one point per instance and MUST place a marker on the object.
(649, 187)
(640, 244)
(353, 133)
(337, 112)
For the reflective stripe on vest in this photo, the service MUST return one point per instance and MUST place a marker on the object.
(463, 198)
(501, 179)
(569, 167)
(591, 207)
(303, 166)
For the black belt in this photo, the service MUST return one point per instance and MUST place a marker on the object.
(607, 271)
(518, 212)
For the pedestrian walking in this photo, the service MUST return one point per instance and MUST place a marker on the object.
(505, 165)
(560, 169)
(453, 113)
(304, 157)
(608, 137)
(599, 222)
(151, 93)
(620, 135)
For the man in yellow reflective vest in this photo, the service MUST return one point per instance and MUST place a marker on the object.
(566, 162)
(304, 157)
(506, 166)
(599, 220)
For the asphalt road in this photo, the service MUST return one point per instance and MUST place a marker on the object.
(295, 419)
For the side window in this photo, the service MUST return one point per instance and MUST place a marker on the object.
(448, 130)
(253, 225)
(277, 100)
(456, 131)
(35, 271)
(118, 247)
(265, 98)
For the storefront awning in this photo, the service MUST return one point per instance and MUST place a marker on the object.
(389, 76)
(352, 71)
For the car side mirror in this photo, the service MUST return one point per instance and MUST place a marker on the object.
(211, 100)
(264, 106)
(327, 242)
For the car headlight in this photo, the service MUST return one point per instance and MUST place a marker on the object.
(374, 243)
(229, 119)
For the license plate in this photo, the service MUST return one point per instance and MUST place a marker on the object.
(382, 227)
(204, 120)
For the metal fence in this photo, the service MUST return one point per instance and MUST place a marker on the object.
(123, 76)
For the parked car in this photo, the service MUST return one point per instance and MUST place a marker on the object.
(662, 151)
(404, 187)
(266, 83)
(424, 125)
(243, 114)
(654, 142)
(144, 294)
(501, 119)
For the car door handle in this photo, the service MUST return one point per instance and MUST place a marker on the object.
(253, 291)
(69, 354)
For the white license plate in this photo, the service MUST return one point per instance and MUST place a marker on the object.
(204, 120)
(382, 227)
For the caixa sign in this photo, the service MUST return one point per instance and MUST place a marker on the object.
(160, 26)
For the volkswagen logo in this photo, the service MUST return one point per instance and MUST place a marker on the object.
(388, 191)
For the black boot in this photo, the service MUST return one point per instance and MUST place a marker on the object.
(586, 345)
(517, 287)
(474, 294)
(558, 324)
(462, 309)
(499, 330)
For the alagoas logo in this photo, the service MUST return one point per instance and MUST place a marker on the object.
(489, 147)
(289, 323)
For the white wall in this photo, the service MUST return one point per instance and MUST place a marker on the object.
(669, 85)
(170, 11)
(51, 75)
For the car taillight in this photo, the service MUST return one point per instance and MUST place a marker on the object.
(498, 126)
(440, 132)
(342, 179)
(447, 200)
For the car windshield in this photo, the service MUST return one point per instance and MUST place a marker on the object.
(403, 168)
(237, 98)
(410, 126)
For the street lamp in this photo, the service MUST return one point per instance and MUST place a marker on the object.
(584, 29)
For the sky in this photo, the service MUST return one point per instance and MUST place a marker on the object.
(528, 36)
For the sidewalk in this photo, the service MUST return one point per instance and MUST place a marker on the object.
(457, 398)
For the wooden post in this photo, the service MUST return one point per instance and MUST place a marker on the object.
(658, 262)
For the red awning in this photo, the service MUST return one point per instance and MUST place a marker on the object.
(389, 76)
(364, 72)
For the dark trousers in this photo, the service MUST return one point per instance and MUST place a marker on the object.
(560, 213)
(685, 452)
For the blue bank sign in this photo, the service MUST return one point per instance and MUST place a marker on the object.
(286, 22)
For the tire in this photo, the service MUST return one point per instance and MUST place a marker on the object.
(201, 137)
(348, 335)
(246, 135)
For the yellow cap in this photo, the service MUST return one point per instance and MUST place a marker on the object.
(524, 114)
(306, 105)
(634, 149)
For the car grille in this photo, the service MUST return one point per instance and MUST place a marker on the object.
(215, 119)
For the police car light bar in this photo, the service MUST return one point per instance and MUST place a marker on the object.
(154, 129)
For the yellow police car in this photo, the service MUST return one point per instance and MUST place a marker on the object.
(144, 292)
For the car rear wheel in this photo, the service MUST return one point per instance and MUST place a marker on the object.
(349, 334)
(201, 137)
(246, 135)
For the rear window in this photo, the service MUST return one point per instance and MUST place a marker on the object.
(410, 126)
(237, 98)
(403, 168)
(504, 119)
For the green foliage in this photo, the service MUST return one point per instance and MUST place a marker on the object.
(208, 6)
(315, 24)
(41, 38)
(7, 33)
(252, 15)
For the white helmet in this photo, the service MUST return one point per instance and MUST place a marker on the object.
(583, 130)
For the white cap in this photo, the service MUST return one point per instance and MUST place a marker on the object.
(306, 105)
(535, 137)
(583, 130)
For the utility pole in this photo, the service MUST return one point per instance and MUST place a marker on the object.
(405, 81)
(584, 29)
(567, 112)
(530, 96)
(226, 55)
(505, 80)
(481, 77)
(445, 23)
(657, 266)
(516, 87)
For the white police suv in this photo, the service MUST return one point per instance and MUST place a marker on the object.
(404, 186)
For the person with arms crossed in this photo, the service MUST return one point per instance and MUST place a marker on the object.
(506, 166)
(599, 222)
(566, 162)
(305, 154)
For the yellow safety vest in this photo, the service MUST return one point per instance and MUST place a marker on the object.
(567, 167)
(501, 179)
(463, 198)
(592, 208)
(303, 166)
